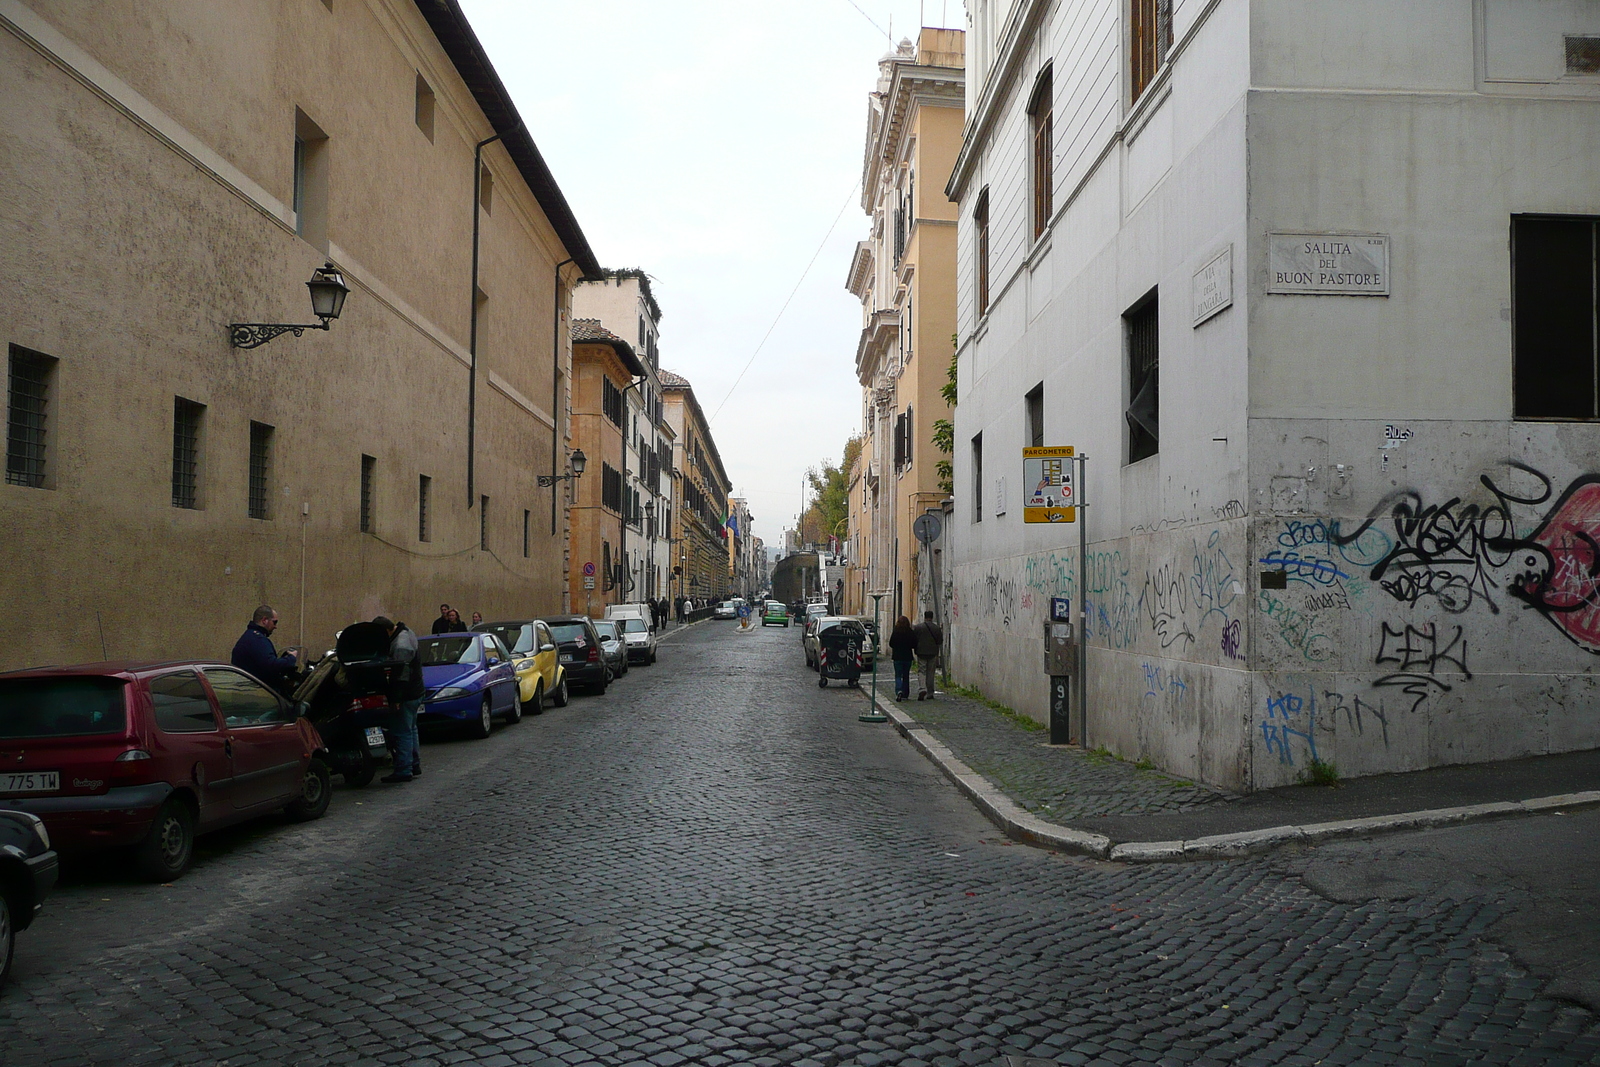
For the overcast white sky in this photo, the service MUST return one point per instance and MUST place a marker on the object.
(712, 143)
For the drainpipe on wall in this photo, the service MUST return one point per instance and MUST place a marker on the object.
(555, 388)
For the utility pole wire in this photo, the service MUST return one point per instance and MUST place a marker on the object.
(787, 302)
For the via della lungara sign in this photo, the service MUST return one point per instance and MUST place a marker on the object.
(1047, 481)
(1328, 264)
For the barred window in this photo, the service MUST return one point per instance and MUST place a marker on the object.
(527, 519)
(186, 419)
(483, 523)
(260, 469)
(368, 467)
(1144, 366)
(424, 486)
(28, 397)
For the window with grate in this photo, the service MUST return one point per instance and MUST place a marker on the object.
(483, 523)
(1142, 325)
(1149, 39)
(977, 478)
(1035, 410)
(1039, 108)
(27, 402)
(186, 419)
(980, 222)
(260, 469)
(1556, 331)
(424, 490)
(1583, 55)
(527, 521)
(368, 467)
(424, 111)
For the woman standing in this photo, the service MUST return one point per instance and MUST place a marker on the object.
(903, 650)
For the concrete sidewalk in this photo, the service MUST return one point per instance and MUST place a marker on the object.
(1062, 797)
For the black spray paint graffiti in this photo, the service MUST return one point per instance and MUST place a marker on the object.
(1417, 655)
(1460, 554)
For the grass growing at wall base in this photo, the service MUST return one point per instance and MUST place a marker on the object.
(1320, 773)
(1015, 716)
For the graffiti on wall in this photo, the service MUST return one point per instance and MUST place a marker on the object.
(1456, 555)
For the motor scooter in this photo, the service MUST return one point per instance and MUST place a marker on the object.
(346, 699)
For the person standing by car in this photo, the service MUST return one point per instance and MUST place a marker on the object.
(477, 617)
(930, 642)
(442, 624)
(453, 624)
(254, 652)
(903, 650)
(405, 694)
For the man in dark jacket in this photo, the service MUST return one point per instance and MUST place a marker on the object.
(444, 624)
(930, 642)
(254, 652)
(405, 694)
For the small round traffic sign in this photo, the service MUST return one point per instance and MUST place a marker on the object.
(928, 527)
(588, 570)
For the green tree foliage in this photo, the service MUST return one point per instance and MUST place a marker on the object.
(830, 502)
(944, 431)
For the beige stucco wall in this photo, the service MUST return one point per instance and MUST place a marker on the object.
(145, 182)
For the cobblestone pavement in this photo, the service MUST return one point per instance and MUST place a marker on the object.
(1055, 783)
(715, 864)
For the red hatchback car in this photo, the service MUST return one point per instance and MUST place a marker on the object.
(150, 754)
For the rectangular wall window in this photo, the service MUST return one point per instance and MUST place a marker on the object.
(1034, 403)
(1149, 39)
(187, 417)
(980, 222)
(977, 478)
(310, 181)
(424, 489)
(1556, 336)
(1142, 325)
(483, 524)
(27, 401)
(1039, 109)
(424, 107)
(260, 470)
(527, 521)
(368, 467)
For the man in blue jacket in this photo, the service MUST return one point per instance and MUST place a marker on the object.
(254, 652)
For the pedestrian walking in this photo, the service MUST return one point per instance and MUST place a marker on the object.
(903, 650)
(677, 603)
(930, 642)
(255, 653)
(405, 696)
(441, 625)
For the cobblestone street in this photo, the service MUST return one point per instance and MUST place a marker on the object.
(715, 863)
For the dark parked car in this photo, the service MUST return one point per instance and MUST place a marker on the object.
(27, 873)
(151, 754)
(578, 647)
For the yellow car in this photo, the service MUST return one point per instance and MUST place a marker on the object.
(533, 655)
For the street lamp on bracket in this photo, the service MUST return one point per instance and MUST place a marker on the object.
(577, 461)
(328, 291)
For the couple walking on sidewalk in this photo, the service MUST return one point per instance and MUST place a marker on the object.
(924, 641)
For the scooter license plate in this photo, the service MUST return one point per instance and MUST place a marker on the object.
(375, 737)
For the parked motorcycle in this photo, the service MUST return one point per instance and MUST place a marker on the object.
(346, 699)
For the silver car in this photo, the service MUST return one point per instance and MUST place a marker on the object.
(611, 646)
(639, 639)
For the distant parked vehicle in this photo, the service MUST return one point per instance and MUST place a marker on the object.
(534, 658)
(470, 681)
(581, 656)
(640, 642)
(612, 645)
(636, 610)
(151, 754)
(28, 869)
(821, 625)
(728, 609)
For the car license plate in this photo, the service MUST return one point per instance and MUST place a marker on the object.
(569, 659)
(375, 737)
(30, 782)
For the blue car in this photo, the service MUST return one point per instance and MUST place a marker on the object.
(470, 680)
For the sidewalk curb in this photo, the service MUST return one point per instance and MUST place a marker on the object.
(1019, 825)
